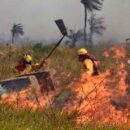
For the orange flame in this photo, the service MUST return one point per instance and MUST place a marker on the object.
(102, 98)
(28, 99)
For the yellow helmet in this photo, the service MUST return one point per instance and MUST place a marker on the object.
(82, 51)
(28, 58)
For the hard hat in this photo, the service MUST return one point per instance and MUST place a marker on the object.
(28, 58)
(82, 51)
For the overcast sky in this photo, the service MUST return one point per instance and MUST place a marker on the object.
(37, 17)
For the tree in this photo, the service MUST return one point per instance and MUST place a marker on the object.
(75, 36)
(16, 30)
(90, 5)
(96, 26)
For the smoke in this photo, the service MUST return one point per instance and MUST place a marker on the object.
(38, 17)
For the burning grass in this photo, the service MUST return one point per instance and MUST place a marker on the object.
(103, 99)
(28, 99)
(95, 101)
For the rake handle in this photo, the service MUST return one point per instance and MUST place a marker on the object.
(50, 53)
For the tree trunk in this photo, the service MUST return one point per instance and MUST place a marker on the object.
(91, 38)
(85, 24)
(91, 30)
(73, 44)
(12, 38)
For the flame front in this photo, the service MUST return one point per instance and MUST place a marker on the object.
(28, 99)
(103, 98)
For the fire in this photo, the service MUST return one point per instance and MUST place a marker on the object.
(103, 98)
(119, 51)
(28, 99)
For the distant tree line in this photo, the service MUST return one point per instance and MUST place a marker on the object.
(94, 24)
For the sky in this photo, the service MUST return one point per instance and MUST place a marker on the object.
(37, 17)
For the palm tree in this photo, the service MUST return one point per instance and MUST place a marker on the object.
(90, 5)
(75, 36)
(16, 30)
(96, 26)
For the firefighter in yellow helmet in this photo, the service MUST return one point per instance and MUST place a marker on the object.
(25, 65)
(89, 62)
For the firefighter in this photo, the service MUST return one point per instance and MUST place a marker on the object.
(25, 65)
(89, 62)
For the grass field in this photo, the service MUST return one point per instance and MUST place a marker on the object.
(65, 62)
(48, 119)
